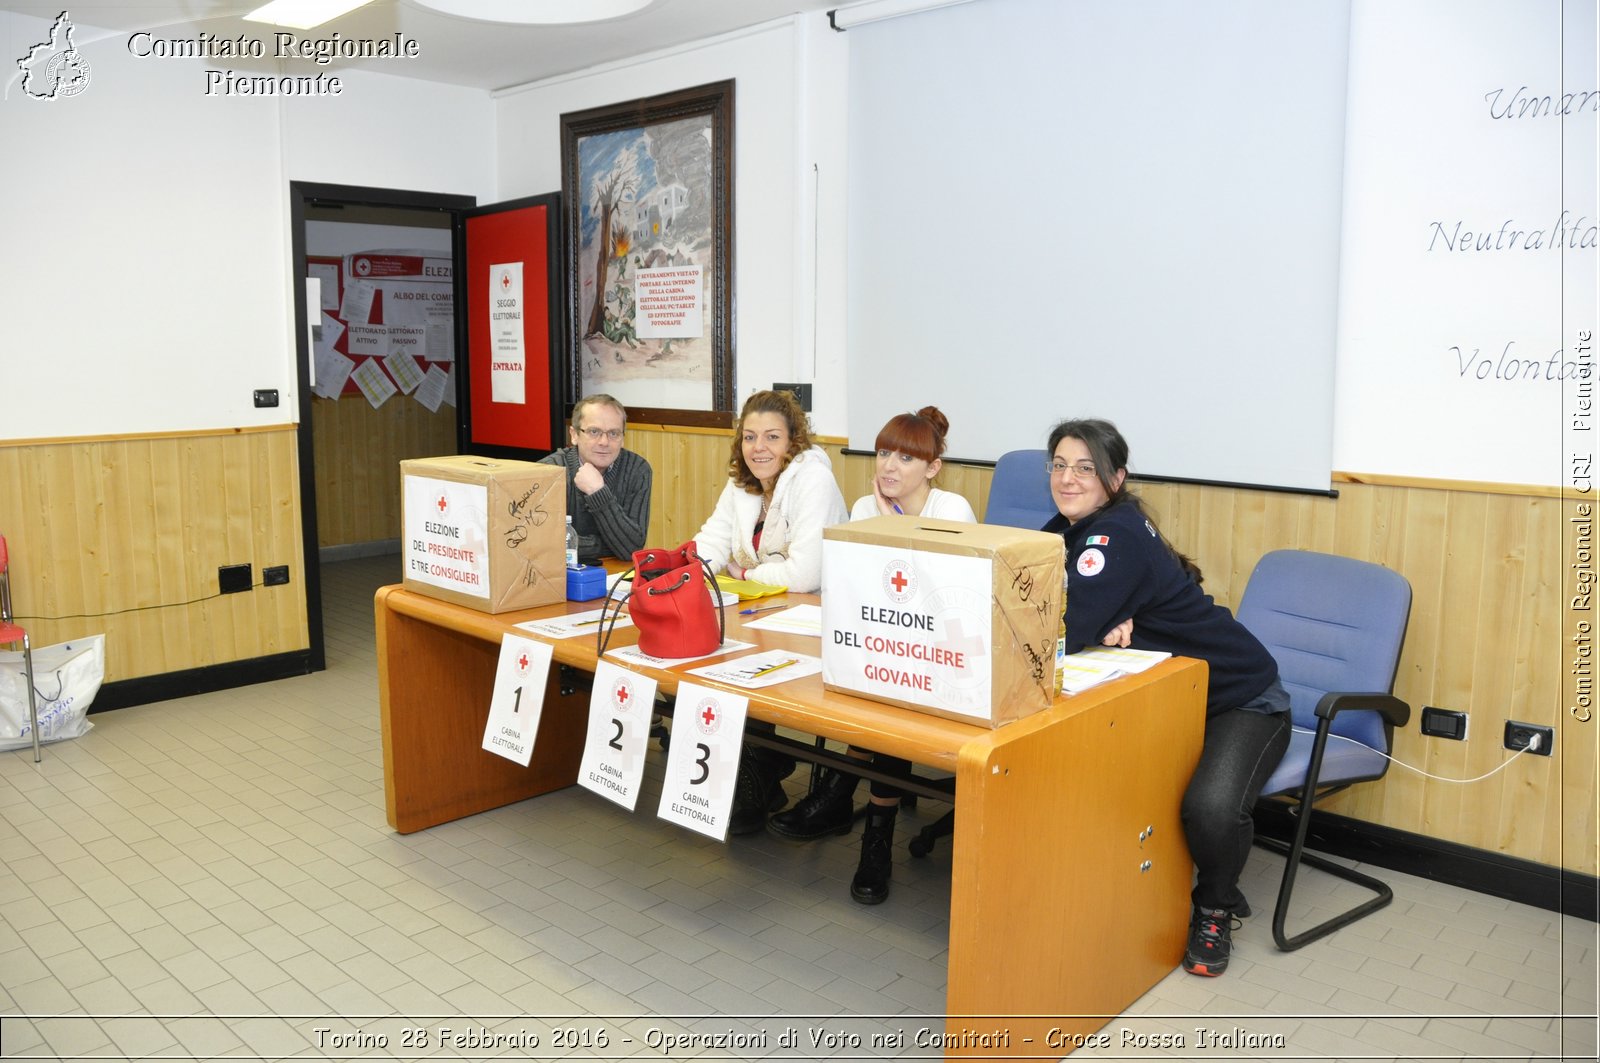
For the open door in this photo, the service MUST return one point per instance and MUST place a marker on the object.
(509, 300)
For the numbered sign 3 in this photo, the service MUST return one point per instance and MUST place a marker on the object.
(518, 699)
(619, 729)
(707, 731)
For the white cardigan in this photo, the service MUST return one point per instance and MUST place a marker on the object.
(805, 500)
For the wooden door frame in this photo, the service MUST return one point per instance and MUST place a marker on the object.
(302, 195)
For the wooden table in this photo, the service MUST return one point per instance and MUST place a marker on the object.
(1069, 892)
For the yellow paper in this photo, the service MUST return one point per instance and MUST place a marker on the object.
(748, 589)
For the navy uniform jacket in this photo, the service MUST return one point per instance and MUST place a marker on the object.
(1118, 567)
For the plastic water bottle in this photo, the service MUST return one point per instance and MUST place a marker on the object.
(1061, 637)
(572, 544)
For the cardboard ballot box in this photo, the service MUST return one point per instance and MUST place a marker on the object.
(954, 619)
(486, 533)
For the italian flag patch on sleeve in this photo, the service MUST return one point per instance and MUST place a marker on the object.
(1098, 540)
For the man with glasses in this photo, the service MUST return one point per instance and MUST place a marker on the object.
(608, 488)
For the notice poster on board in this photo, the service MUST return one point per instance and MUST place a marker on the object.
(375, 306)
(669, 303)
(508, 352)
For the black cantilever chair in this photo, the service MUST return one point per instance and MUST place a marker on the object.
(1335, 626)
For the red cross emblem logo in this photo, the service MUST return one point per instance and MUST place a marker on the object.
(621, 695)
(443, 504)
(522, 662)
(957, 640)
(899, 581)
(708, 716)
(1091, 561)
(505, 282)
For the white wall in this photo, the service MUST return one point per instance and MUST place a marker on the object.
(146, 275)
(788, 157)
(1453, 363)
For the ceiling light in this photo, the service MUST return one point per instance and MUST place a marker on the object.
(852, 15)
(302, 14)
(537, 12)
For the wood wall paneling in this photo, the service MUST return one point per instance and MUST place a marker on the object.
(124, 537)
(358, 453)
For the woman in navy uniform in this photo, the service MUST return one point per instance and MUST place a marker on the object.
(1121, 571)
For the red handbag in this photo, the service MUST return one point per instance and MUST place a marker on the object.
(671, 604)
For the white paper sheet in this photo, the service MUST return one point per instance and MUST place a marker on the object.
(761, 669)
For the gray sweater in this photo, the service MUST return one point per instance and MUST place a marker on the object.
(613, 520)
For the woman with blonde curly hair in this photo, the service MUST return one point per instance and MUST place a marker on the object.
(767, 527)
(780, 494)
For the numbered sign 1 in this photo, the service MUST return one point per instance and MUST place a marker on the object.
(707, 730)
(619, 729)
(518, 698)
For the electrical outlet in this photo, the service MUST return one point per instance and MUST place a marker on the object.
(231, 579)
(275, 575)
(265, 397)
(1519, 735)
(1444, 723)
(800, 391)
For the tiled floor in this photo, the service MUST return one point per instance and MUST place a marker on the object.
(227, 856)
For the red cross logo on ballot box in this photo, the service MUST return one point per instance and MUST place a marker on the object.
(443, 504)
(899, 581)
(957, 640)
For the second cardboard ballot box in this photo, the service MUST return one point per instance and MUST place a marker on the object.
(488, 533)
(955, 619)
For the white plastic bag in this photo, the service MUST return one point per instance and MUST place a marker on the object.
(66, 677)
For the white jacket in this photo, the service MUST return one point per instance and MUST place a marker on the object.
(805, 500)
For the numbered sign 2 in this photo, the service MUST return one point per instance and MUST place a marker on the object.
(518, 698)
(619, 729)
(707, 729)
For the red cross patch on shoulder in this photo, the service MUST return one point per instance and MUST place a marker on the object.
(1090, 562)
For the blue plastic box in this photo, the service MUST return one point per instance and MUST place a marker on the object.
(585, 583)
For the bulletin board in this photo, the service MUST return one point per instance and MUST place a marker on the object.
(385, 326)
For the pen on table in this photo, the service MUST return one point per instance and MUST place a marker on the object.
(758, 609)
(773, 668)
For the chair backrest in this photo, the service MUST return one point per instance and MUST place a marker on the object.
(5, 581)
(1019, 494)
(1334, 624)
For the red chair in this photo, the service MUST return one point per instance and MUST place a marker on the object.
(10, 635)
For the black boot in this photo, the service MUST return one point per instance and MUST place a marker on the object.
(871, 884)
(829, 809)
(757, 790)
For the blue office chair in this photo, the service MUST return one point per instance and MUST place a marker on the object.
(1019, 494)
(1335, 626)
(1019, 497)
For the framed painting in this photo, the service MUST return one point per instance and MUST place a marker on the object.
(647, 190)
